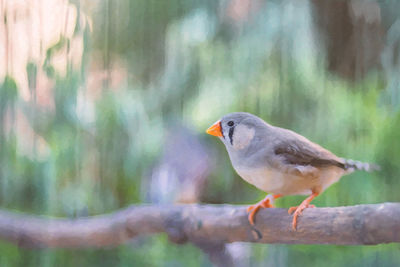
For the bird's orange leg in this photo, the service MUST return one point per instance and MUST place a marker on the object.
(267, 202)
(299, 209)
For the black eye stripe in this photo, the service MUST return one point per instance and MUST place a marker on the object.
(231, 134)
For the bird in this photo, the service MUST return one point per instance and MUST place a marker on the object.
(280, 161)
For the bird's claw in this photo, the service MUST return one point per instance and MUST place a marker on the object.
(298, 211)
(253, 209)
(293, 209)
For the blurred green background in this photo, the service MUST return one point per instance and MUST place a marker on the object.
(104, 104)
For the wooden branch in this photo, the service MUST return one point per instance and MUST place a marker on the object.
(353, 225)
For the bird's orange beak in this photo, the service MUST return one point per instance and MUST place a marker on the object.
(215, 129)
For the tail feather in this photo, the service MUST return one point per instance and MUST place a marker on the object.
(354, 165)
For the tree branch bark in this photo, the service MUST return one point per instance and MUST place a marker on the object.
(353, 225)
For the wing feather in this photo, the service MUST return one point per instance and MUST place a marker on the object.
(297, 150)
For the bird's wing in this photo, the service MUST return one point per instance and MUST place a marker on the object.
(297, 153)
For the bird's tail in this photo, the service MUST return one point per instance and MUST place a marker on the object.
(354, 165)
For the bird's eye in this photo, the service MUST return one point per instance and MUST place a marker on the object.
(230, 123)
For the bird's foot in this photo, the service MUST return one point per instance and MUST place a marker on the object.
(293, 209)
(267, 202)
(299, 209)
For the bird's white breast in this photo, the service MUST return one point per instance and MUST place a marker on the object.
(277, 182)
(263, 178)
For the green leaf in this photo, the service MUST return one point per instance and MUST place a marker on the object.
(8, 90)
(31, 70)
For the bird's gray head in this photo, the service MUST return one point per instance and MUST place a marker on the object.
(237, 130)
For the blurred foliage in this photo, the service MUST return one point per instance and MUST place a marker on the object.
(90, 150)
